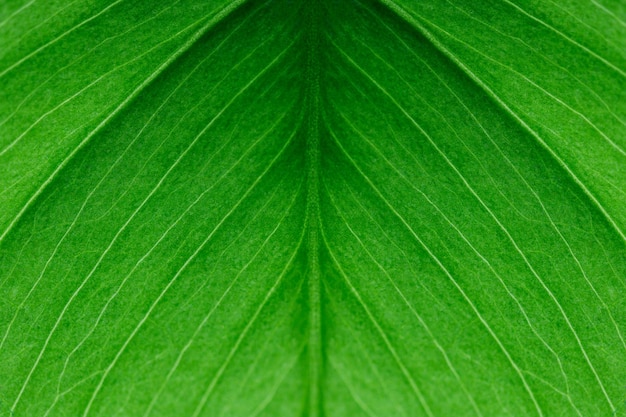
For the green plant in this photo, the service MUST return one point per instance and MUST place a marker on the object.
(338, 208)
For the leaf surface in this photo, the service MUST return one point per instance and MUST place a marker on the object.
(279, 208)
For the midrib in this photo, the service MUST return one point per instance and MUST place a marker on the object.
(312, 76)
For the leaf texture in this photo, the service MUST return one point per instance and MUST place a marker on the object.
(317, 208)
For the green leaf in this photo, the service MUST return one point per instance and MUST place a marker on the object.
(316, 208)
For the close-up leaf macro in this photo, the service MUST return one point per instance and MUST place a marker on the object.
(312, 208)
